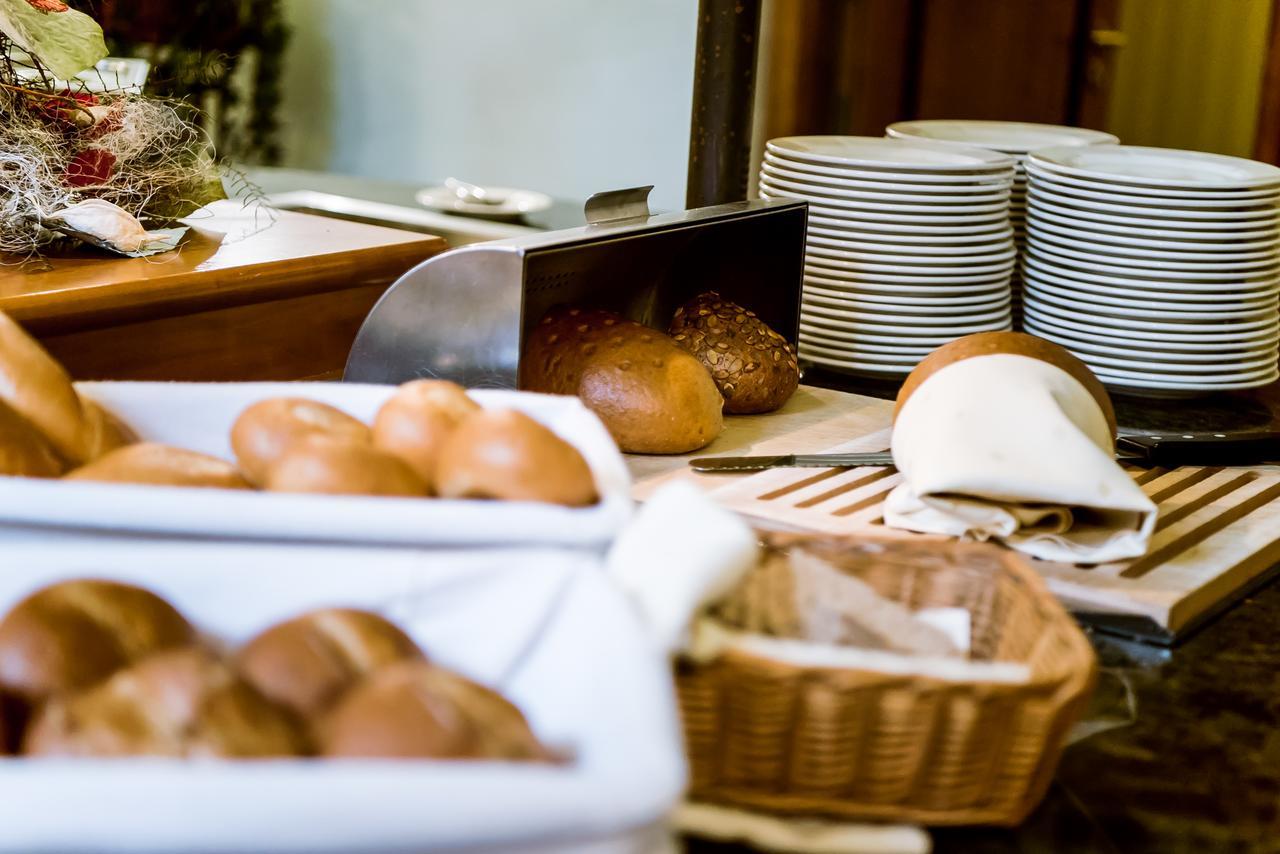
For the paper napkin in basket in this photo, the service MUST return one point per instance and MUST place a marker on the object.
(1007, 446)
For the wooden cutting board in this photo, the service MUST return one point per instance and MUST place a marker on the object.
(1218, 529)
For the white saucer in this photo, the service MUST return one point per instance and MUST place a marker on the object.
(1092, 256)
(858, 267)
(922, 179)
(1036, 293)
(842, 209)
(838, 230)
(929, 289)
(925, 255)
(870, 152)
(1190, 195)
(1156, 167)
(1038, 194)
(1037, 203)
(958, 203)
(852, 229)
(925, 324)
(1126, 300)
(1009, 137)
(1228, 244)
(825, 276)
(1129, 200)
(835, 298)
(1206, 335)
(1164, 280)
(1149, 351)
(772, 169)
(508, 203)
(1102, 324)
(1209, 232)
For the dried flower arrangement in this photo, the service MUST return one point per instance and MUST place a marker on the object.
(91, 165)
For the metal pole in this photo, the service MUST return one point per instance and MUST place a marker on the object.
(724, 83)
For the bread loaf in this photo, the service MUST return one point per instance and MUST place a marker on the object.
(38, 388)
(307, 663)
(415, 422)
(653, 396)
(161, 465)
(324, 465)
(75, 633)
(415, 710)
(504, 454)
(24, 451)
(179, 703)
(754, 367)
(265, 431)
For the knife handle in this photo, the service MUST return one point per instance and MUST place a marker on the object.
(1203, 449)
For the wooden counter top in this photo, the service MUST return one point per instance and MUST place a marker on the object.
(251, 294)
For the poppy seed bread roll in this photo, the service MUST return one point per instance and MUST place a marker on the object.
(653, 396)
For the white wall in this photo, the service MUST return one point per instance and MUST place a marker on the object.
(564, 96)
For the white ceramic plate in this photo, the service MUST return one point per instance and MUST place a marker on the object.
(854, 367)
(1126, 300)
(1229, 245)
(879, 253)
(1219, 222)
(929, 215)
(916, 309)
(1191, 195)
(927, 323)
(876, 209)
(1159, 279)
(852, 229)
(858, 267)
(1035, 292)
(508, 203)
(901, 289)
(1209, 232)
(1039, 194)
(1158, 167)
(1182, 389)
(1102, 323)
(902, 189)
(1207, 334)
(852, 343)
(1148, 291)
(947, 201)
(1121, 374)
(871, 335)
(1102, 255)
(1151, 352)
(824, 275)
(1128, 201)
(1176, 370)
(999, 234)
(920, 179)
(835, 298)
(1009, 137)
(890, 154)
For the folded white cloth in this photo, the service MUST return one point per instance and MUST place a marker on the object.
(1013, 448)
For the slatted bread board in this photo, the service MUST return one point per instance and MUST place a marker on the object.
(1218, 529)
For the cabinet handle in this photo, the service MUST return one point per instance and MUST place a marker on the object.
(1108, 38)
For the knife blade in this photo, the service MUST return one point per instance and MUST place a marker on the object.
(1166, 449)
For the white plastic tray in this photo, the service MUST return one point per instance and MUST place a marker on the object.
(199, 416)
(544, 626)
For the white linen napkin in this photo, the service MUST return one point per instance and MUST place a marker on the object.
(1013, 448)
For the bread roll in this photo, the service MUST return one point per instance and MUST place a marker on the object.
(414, 423)
(161, 465)
(265, 431)
(106, 432)
(75, 633)
(330, 466)
(754, 367)
(307, 663)
(181, 703)
(1011, 343)
(24, 451)
(653, 396)
(415, 710)
(504, 454)
(38, 388)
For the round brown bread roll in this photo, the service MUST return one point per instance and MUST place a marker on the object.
(654, 397)
(414, 423)
(38, 388)
(307, 663)
(161, 465)
(24, 451)
(329, 466)
(181, 703)
(504, 454)
(754, 367)
(75, 633)
(106, 432)
(265, 431)
(415, 710)
(1012, 343)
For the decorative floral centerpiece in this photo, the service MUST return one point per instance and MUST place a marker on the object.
(92, 165)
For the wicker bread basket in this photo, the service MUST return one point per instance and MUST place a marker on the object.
(767, 735)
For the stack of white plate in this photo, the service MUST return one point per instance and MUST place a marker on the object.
(1016, 139)
(1159, 268)
(909, 246)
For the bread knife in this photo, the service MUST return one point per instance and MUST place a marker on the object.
(1177, 449)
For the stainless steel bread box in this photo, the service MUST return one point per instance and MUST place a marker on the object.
(463, 315)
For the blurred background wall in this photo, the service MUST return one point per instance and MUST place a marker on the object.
(565, 96)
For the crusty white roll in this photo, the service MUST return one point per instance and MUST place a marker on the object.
(504, 454)
(306, 664)
(415, 422)
(268, 429)
(40, 390)
(161, 465)
(24, 451)
(1006, 436)
(184, 702)
(324, 465)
